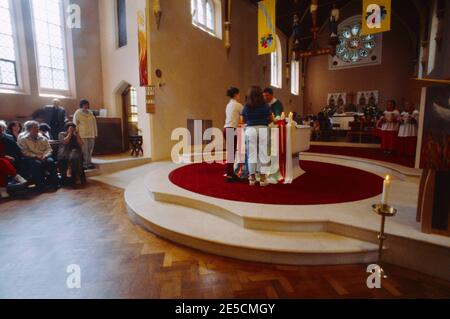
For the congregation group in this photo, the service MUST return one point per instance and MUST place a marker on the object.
(48, 151)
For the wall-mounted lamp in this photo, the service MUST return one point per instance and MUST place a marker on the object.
(157, 11)
(159, 75)
(227, 25)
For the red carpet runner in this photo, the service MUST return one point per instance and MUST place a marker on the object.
(322, 184)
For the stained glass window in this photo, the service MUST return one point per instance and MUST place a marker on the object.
(8, 51)
(354, 47)
(50, 44)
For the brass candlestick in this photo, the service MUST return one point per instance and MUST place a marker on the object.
(384, 211)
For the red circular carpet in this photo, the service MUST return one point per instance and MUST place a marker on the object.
(322, 184)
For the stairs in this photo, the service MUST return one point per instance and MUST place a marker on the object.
(221, 235)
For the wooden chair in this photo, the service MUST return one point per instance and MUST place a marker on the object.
(136, 143)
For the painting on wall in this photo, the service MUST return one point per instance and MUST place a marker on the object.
(336, 100)
(435, 129)
(366, 98)
(434, 158)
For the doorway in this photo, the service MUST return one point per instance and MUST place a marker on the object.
(130, 115)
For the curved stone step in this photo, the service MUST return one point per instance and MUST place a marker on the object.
(213, 234)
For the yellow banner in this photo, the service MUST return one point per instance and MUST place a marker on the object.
(376, 16)
(267, 26)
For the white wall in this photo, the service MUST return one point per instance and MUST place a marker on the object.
(121, 66)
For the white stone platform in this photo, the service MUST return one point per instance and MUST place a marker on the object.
(302, 234)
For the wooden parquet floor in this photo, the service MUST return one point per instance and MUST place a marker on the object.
(41, 236)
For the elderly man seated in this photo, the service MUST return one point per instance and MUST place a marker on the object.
(38, 156)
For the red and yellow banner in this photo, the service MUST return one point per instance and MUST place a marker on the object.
(376, 16)
(267, 28)
(142, 42)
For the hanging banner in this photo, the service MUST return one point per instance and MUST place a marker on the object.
(142, 42)
(266, 26)
(376, 16)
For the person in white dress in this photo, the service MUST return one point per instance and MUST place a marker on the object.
(407, 134)
(389, 124)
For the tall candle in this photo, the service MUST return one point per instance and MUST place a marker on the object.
(291, 117)
(386, 187)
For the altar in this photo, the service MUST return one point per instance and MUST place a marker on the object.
(290, 140)
(342, 121)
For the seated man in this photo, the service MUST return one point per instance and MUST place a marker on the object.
(275, 105)
(38, 156)
(45, 130)
(6, 161)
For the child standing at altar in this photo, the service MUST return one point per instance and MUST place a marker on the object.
(389, 127)
(407, 135)
(257, 116)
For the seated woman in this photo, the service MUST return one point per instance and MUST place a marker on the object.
(257, 116)
(14, 129)
(6, 167)
(70, 155)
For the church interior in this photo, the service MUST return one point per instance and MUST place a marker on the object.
(224, 149)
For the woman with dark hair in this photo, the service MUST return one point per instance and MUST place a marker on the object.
(86, 124)
(233, 114)
(70, 154)
(257, 117)
(14, 129)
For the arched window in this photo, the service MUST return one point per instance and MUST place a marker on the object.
(295, 77)
(133, 111)
(276, 61)
(13, 65)
(8, 56)
(207, 15)
(52, 47)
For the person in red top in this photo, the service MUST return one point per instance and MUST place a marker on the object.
(6, 167)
